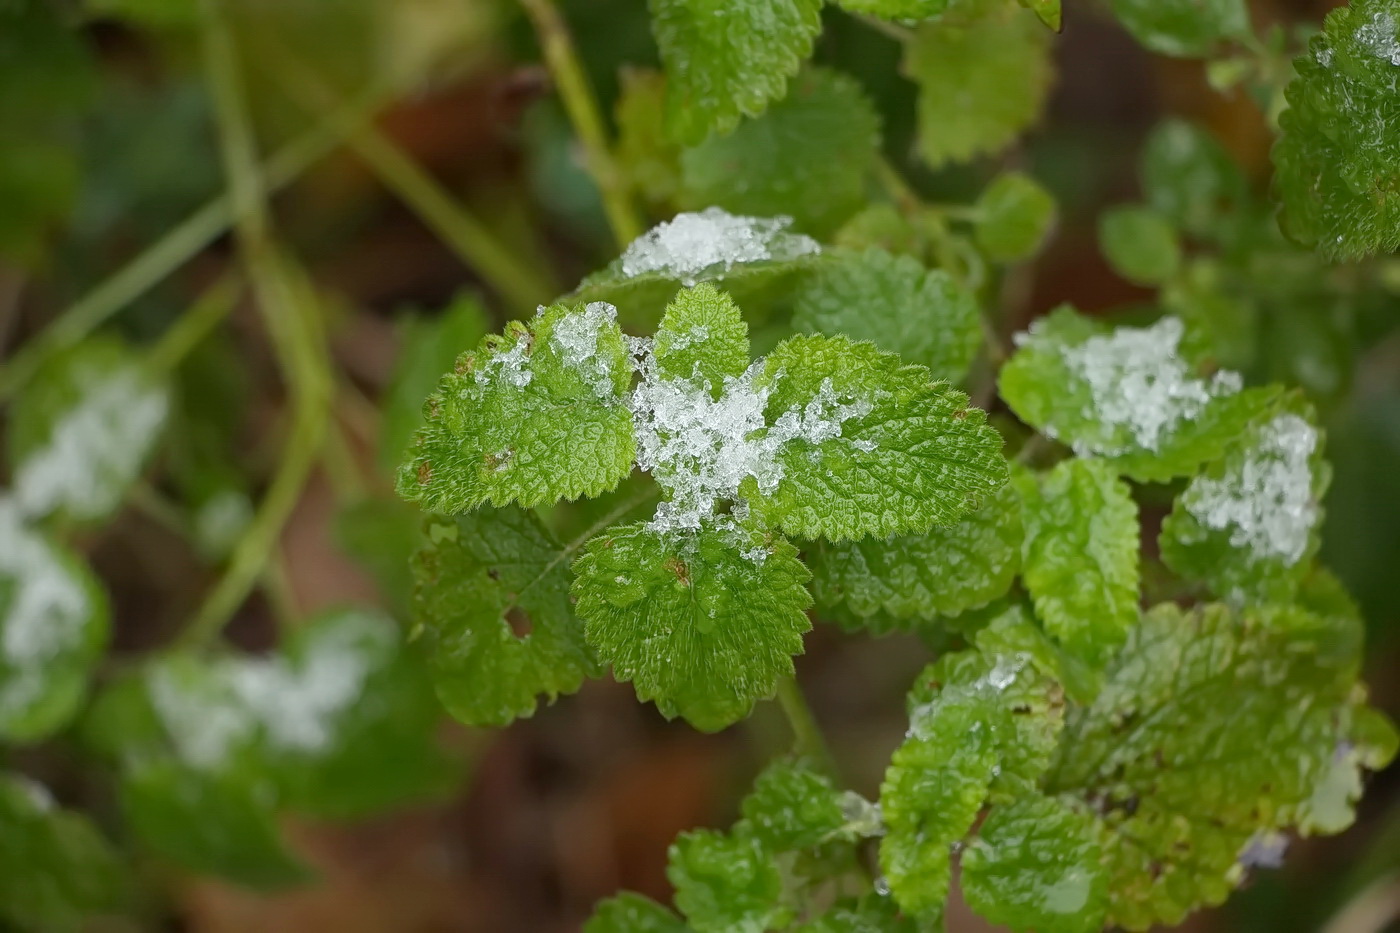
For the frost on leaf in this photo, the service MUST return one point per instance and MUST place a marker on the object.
(1181, 791)
(983, 724)
(894, 302)
(871, 446)
(532, 417)
(703, 623)
(1132, 395)
(57, 872)
(1249, 523)
(1337, 159)
(943, 572)
(728, 58)
(481, 580)
(711, 243)
(83, 431)
(1080, 558)
(53, 627)
(981, 83)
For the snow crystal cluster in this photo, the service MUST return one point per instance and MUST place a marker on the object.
(1380, 37)
(575, 339)
(1137, 382)
(46, 605)
(513, 366)
(295, 706)
(107, 433)
(1267, 504)
(712, 241)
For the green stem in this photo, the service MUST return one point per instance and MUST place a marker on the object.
(807, 735)
(474, 242)
(898, 33)
(294, 331)
(581, 104)
(171, 251)
(195, 324)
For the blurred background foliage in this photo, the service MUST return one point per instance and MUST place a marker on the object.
(111, 207)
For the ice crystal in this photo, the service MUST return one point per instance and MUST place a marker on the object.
(712, 241)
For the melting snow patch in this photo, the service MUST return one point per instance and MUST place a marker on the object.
(575, 338)
(1380, 37)
(1138, 382)
(47, 603)
(1267, 504)
(712, 241)
(513, 365)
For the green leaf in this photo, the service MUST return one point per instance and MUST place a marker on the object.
(1181, 790)
(1190, 179)
(872, 913)
(57, 872)
(756, 258)
(702, 337)
(1248, 525)
(633, 913)
(703, 623)
(211, 824)
(894, 302)
(725, 883)
(1140, 244)
(492, 607)
(649, 159)
(908, 10)
(150, 13)
(947, 571)
(83, 429)
(1014, 217)
(1036, 864)
(877, 447)
(1188, 28)
(1337, 159)
(428, 346)
(1048, 11)
(532, 417)
(823, 137)
(1081, 556)
(1131, 395)
(1000, 65)
(727, 59)
(53, 628)
(792, 806)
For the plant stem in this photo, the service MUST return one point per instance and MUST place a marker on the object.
(294, 331)
(894, 31)
(807, 735)
(581, 104)
(195, 324)
(171, 251)
(471, 239)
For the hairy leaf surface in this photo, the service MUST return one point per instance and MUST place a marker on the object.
(726, 883)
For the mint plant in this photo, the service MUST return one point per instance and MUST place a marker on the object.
(798, 390)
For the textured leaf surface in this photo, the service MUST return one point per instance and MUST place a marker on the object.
(1081, 556)
(1338, 158)
(1036, 864)
(53, 628)
(1000, 66)
(702, 336)
(946, 571)
(1140, 244)
(906, 454)
(1015, 215)
(57, 873)
(822, 137)
(1134, 396)
(725, 884)
(872, 913)
(83, 430)
(1248, 524)
(1182, 27)
(702, 623)
(482, 579)
(633, 913)
(895, 303)
(534, 417)
(728, 59)
(792, 806)
(1180, 787)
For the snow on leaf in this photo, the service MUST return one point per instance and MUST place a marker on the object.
(1132, 395)
(694, 247)
(83, 431)
(478, 578)
(53, 626)
(702, 622)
